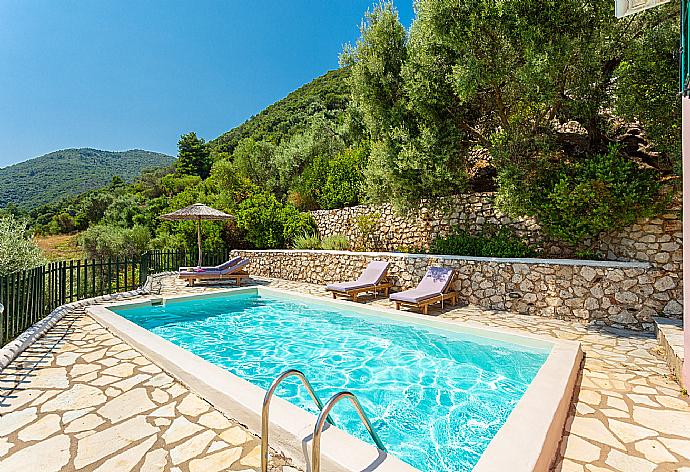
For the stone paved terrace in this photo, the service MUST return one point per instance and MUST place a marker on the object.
(81, 399)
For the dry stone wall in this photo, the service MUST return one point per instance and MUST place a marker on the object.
(618, 294)
(472, 213)
(657, 241)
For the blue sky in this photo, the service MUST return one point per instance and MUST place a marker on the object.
(126, 74)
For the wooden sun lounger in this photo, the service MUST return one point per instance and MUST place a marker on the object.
(384, 286)
(236, 276)
(236, 273)
(373, 279)
(424, 304)
(448, 293)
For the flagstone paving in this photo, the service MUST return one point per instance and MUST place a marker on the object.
(81, 399)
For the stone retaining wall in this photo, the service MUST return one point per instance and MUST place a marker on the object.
(473, 213)
(658, 240)
(619, 294)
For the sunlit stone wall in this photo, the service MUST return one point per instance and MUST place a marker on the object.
(658, 241)
(619, 294)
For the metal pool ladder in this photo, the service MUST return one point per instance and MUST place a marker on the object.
(320, 421)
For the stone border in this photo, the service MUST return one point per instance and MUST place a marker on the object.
(15, 347)
(528, 441)
(500, 260)
(669, 334)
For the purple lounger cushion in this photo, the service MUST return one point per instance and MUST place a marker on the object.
(371, 276)
(200, 272)
(433, 284)
(346, 286)
(226, 271)
(227, 264)
(222, 266)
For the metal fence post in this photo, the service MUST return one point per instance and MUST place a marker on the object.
(144, 268)
(2, 324)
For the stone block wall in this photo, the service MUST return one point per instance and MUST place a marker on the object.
(473, 212)
(657, 241)
(618, 294)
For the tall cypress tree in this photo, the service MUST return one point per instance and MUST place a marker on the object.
(194, 157)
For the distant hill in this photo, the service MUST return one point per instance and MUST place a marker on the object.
(328, 94)
(69, 172)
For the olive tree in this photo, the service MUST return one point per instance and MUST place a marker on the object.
(18, 250)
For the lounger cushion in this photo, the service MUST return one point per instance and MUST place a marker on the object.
(200, 272)
(434, 283)
(436, 279)
(227, 264)
(370, 277)
(216, 273)
(414, 295)
(222, 266)
(347, 286)
(373, 273)
(235, 268)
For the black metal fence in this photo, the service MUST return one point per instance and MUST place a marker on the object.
(30, 295)
(154, 262)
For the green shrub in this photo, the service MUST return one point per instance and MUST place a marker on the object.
(103, 241)
(122, 211)
(587, 254)
(406, 249)
(343, 184)
(367, 224)
(459, 243)
(62, 223)
(336, 242)
(331, 180)
(602, 193)
(173, 184)
(501, 243)
(295, 223)
(307, 241)
(18, 251)
(577, 201)
(270, 224)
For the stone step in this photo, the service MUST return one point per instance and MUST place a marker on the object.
(669, 333)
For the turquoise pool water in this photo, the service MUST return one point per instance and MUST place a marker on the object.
(435, 397)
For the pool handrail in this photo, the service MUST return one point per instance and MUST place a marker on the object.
(323, 417)
(267, 402)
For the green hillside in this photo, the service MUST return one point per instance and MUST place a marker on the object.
(328, 94)
(69, 172)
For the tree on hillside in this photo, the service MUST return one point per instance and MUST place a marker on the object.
(529, 83)
(377, 86)
(646, 87)
(194, 157)
(18, 251)
(254, 160)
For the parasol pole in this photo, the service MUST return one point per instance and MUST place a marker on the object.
(198, 237)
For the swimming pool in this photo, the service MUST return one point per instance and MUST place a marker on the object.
(436, 397)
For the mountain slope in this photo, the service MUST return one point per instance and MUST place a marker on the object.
(328, 94)
(69, 172)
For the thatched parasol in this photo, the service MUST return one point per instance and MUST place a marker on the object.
(197, 212)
